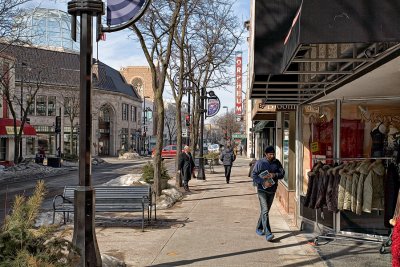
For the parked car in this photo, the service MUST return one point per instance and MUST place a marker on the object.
(167, 152)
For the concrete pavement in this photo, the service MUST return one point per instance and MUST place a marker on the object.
(212, 226)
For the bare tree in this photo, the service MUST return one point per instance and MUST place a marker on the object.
(228, 124)
(214, 35)
(178, 72)
(155, 32)
(171, 122)
(31, 80)
(12, 24)
(70, 101)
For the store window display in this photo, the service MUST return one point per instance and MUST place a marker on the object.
(362, 181)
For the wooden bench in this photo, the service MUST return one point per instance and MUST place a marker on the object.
(110, 199)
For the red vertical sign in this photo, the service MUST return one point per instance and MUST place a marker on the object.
(238, 91)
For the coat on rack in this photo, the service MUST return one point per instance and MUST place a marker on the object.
(363, 170)
(322, 187)
(373, 187)
(333, 188)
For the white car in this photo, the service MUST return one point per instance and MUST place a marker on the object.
(213, 148)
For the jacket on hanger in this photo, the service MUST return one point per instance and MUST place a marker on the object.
(373, 187)
(363, 170)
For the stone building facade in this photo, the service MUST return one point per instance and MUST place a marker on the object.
(116, 105)
(141, 79)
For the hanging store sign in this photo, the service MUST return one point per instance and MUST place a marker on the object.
(238, 91)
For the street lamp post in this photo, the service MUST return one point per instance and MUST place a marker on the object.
(144, 124)
(226, 123)
(84, 237)
(201, 174)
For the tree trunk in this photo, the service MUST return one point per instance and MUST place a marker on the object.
(16, 142)
(71, 143)
(178, 179)
(157, 158)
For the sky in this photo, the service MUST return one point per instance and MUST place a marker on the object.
(120, 50)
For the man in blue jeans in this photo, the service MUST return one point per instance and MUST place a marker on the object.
(265, 189)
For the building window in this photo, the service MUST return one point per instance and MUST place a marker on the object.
(51, 111)
(3, 149)
(67, 106)
(125, 113)
(31, 108)
(124, 139)
(41, 105)
(30, 146)
(133, 113)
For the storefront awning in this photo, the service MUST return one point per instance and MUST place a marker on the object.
(7, 128)
(305, 49)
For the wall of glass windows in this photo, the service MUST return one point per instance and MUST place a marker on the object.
(50, 28)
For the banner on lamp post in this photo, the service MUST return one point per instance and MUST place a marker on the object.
(123, 13)
(238, 91)
(213, 106)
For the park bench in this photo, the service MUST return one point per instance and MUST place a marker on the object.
(110, 199)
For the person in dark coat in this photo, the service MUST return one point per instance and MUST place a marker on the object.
(186, 167)
(227, 157)
(265, 189)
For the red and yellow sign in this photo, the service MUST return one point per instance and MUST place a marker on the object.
(314, 147)
(238, 91)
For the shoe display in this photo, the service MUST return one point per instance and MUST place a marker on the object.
(259, 232)
(269, 237)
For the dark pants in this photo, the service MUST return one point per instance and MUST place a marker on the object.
(266, 200)
(228, 169)
(185, 179)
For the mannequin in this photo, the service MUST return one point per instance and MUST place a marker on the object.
(378, 135)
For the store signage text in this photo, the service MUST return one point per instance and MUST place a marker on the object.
(277, 107)
(238, 91)
(10, 129)
(379, 118)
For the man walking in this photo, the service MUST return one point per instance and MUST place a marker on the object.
(227, 157)
(266, 173)
(186, 167)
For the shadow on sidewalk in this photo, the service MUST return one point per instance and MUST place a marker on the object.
(187, 262)
(205, 198)
(136, 223)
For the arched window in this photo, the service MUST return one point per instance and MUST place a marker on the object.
(137, 83)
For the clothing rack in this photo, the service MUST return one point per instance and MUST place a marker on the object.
(357, 237)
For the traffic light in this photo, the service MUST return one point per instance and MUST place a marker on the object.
(187, 119)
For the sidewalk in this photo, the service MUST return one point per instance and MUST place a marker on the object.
(213, 226)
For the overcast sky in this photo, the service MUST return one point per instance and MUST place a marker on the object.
(120, 50)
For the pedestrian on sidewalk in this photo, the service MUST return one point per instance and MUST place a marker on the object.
(186, 167)
(227, 157)
(265, 189)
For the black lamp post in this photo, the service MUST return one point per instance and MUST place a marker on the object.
(226, 123)
(201, 174)
(84, 237)
(144, 124)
